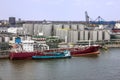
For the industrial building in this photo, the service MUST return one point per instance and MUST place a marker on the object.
(28, 29)
(71, 33)
(12, 20)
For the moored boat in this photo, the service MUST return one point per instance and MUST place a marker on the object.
(22, 55)
(87, 50)
(81, 51)
(55, 55)
(27, 50)
(115, 32)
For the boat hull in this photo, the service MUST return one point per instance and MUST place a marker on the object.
(56, 55)
(28, 55)
(115, 36)
(23, 55)
(87, 54)
(89, 50)
(115, 33)
(50, 57)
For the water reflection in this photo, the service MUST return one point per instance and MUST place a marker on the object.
(105, 66)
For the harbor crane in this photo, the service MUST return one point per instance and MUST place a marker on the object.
(97, 21)
(86, 16)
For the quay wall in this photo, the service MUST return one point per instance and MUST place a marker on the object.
(4, 54)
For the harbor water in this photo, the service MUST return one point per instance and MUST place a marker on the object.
(105, 66)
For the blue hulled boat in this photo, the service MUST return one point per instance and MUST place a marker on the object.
(54, 55)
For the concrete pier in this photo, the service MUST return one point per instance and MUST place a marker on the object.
(4, 54)
(108, 43)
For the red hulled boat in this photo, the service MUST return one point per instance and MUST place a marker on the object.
(81, 51)
(87, 50)
(29, 51)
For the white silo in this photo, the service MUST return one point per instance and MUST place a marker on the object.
(57, 32)
(69, 36)
(81, 27)
(74, 26)
(47, 29)
(86, 35)
(55, 27)
(62, 33)
(75, 36)
(28, 28)
(81, 35)
(100, 34)
(93, 35)
(37, 28)
(106, 34)
(66, 26)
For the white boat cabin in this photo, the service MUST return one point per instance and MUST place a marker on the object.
(28, 45)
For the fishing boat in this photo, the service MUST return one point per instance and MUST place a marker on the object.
(54, 55)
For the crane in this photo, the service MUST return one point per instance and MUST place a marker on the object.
(86, 16)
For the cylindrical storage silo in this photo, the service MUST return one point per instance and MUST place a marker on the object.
(66, 26)
(28, 28)
(57, 32)
(62, 33)
(36, 32)
(100, 35)
(37, 29)
(81, 34)
(86, 35)
(55, 27)
(106, 34)
(70, 36)
(74, 27)
(75, 36)
(93, 35)
(81, 27)
(7, 39)
(47, 29)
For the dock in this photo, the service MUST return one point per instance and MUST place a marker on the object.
(113, 43)
(4, 54)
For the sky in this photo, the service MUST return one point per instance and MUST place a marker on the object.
(61, 10)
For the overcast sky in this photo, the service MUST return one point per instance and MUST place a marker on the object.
(72, 10)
